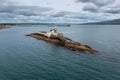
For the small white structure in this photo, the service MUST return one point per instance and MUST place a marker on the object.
(52, 32)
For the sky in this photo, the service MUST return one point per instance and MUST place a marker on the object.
(58, 11)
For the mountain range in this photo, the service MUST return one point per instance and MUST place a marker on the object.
(110, 22)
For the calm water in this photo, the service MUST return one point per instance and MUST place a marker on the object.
(25, 58)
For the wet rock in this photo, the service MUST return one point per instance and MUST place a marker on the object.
(65, 42)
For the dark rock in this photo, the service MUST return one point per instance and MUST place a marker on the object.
(65, 42)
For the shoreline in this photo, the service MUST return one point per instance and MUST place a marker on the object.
(3, 27)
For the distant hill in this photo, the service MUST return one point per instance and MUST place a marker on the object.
(111, 22)
(30, 24)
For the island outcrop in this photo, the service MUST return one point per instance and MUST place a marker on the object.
(57, 38)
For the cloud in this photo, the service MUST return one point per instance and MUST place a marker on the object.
(84, 1)
(103, 2)
(112, 10)
(97, 2)
(90, 7)
(59, 14)
(62, 14)
(5, 7)
(76, 17)
(98, 6)
(31, 10)
(23, 10)
(11, 12)
(87, 10)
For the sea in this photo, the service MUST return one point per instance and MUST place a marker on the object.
(26, 58)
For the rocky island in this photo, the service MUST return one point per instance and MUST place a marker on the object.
(57, 38)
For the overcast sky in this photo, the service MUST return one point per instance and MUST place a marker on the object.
(60, 11)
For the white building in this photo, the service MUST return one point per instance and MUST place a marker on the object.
(52, 32)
